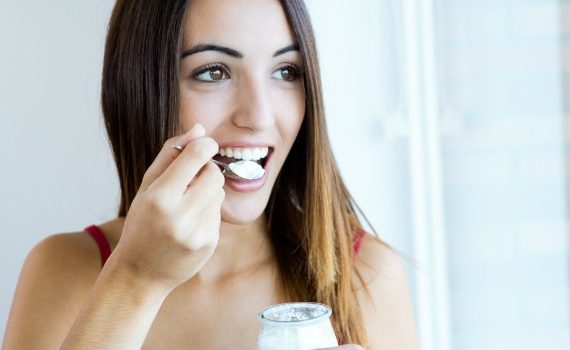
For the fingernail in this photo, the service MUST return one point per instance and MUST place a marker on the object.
(197, 129)
(200, 129)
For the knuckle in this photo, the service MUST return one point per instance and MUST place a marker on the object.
(211, 243)
(170, 142)
(193, 245)
(146, 174)
(157, 201)
(218, 179)
(221, 177)
(203, 154)
(169, 234)
(211, 168)
(175, 231)
(149, 176)
(201, 150)
(212, 145)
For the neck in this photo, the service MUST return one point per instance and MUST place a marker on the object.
(241, 250)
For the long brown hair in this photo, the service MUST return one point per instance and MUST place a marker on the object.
(310, 215)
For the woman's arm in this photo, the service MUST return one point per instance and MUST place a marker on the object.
(118, 312)
(54, 291)
(387, 312)
(169, 234)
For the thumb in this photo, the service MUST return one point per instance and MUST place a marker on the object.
(168, 154)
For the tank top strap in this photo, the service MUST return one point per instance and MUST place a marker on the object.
(102, 242)
(360, 234)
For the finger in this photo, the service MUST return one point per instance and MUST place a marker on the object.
(167, 154)
(209, 221)
(205, 188)
(179, 174)
(210, 217)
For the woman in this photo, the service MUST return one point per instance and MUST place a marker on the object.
(195, 256)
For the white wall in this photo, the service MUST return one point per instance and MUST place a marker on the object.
(504, 168)
(57, 170)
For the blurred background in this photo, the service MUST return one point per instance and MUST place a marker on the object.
(459, 108)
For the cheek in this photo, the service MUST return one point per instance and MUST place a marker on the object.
(208, 109)
(291, 112)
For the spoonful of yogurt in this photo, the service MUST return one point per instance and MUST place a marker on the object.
(241, 170)
(244, 170)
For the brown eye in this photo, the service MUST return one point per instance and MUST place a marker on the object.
(287, 73)
(216, 74)
(212, 74)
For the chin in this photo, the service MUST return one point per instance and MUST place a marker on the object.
(240, 213)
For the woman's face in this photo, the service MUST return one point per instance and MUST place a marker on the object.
(241, 77)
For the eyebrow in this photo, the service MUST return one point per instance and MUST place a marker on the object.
(232, 52)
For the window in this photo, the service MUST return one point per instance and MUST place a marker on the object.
(460, 109)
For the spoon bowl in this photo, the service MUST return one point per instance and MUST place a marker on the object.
(229, 173)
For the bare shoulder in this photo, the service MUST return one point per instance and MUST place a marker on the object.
(378, 263)
(54, 281)
(385, 302)
(64, 255)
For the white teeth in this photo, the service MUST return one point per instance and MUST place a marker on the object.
(253, 153)
(247, 154)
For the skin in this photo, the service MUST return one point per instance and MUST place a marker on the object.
(192, 263)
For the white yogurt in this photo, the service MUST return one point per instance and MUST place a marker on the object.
(296, 326)
(247, 169)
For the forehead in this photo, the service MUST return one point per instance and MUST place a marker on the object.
(245, 25)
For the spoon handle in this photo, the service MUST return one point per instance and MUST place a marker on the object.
(223, 165)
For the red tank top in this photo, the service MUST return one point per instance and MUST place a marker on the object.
(102, 242)
(105, 248)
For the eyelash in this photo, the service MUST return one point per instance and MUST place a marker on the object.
(296, 70)
(208, 67)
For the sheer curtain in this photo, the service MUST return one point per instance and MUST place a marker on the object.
(449, 119)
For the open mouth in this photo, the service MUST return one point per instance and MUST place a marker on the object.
(259, 155)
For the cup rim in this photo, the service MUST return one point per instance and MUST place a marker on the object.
(326, 314)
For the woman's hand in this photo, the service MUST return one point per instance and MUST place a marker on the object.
(172, 227)
(346, 347)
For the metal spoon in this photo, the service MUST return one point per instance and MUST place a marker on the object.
(228, 172)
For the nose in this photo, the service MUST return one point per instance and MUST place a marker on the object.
(254, 105)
